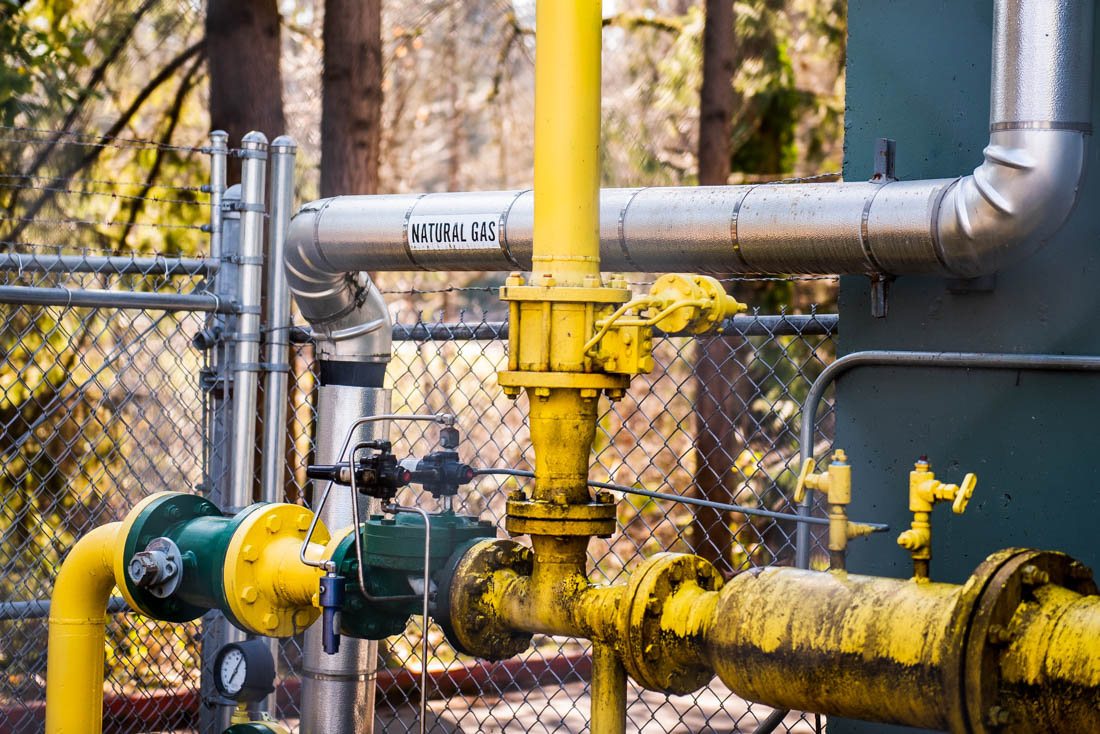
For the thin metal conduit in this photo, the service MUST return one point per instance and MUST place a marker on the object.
(935, 360)
(667, 496)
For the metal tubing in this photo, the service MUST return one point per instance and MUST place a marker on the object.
(1001, 213)
(936, 360)
(338, 690)
(670, 497)
(277, 334)
(246, 364)
(107, 264)
(78, 624)
(394, 508)
(219, 152)
(40, 608)
(94, 298)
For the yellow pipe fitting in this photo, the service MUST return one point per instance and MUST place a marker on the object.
(608, 690)
(78, 624)
(924, 492)
(836, 484)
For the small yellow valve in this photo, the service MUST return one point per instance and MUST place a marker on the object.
(924, 492)
(836, 484)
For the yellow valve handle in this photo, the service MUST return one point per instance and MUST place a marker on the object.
(800, 486)
(964, 493)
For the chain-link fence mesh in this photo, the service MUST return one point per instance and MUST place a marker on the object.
(102, 406)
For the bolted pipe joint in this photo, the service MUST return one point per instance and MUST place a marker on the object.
(664, 611)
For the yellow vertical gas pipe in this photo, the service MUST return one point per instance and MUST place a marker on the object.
(78, 620)
(567, 140)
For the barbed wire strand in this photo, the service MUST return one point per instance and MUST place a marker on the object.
(101, 182)
(104, 223)
(110, 194)
(104, 141)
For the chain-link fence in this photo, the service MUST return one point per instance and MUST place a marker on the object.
(105, 398)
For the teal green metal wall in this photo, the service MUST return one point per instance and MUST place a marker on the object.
(918, 71)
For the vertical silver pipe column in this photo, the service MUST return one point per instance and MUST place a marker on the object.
(246, 362)
(277, 341)
(338, 690)
(277, 338)
(213, 383)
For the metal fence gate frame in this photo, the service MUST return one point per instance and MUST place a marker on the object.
(151, 411)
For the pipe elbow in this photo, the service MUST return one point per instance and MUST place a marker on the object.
(87, 576)
(1004, 212)
(349, 317)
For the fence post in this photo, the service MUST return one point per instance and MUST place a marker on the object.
(277, 339)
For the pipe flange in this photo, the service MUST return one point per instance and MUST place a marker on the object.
(528, 517)
(658, 649)
(152, 518)
(991, 631)
(465, 608)
(252, 587)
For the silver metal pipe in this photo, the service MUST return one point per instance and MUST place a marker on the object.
(277, 336)
(1021, 194)
(338, 690)
(246, 359)
(107, 264)
(348, 315)
(219, 152)
(95, 298)
(935, 360)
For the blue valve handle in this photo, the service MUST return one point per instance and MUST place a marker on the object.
(331, 596)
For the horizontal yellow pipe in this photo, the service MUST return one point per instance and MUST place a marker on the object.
(78, 623)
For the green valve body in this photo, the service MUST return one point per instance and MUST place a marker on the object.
(393, 554)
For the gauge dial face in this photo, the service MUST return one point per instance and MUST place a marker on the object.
(232, 672)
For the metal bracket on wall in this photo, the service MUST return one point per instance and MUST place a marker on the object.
(885, 169)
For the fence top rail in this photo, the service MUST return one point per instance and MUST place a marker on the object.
(104, 264)
(813, 324)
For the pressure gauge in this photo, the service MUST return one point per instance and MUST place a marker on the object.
(245, 671)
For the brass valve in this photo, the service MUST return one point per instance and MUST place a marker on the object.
(925, 491)
(836, 484)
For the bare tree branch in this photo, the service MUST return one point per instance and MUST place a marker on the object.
(123, 120)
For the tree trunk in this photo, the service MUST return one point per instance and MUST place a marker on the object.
(724, 391)
(351, 97)
(716, 97)
(246, 87)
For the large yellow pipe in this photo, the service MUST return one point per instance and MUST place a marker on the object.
(78, 623)
(567, 139)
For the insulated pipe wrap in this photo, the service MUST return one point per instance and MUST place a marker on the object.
(1042, 64)
(828, 236)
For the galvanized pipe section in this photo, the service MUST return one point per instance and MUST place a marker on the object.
(94, 298)
(960, 227)
(246, 359)
(936, 360)
(219, 152)
(277, 335)
(338, 690)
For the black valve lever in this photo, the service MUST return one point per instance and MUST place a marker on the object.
(377, 475)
